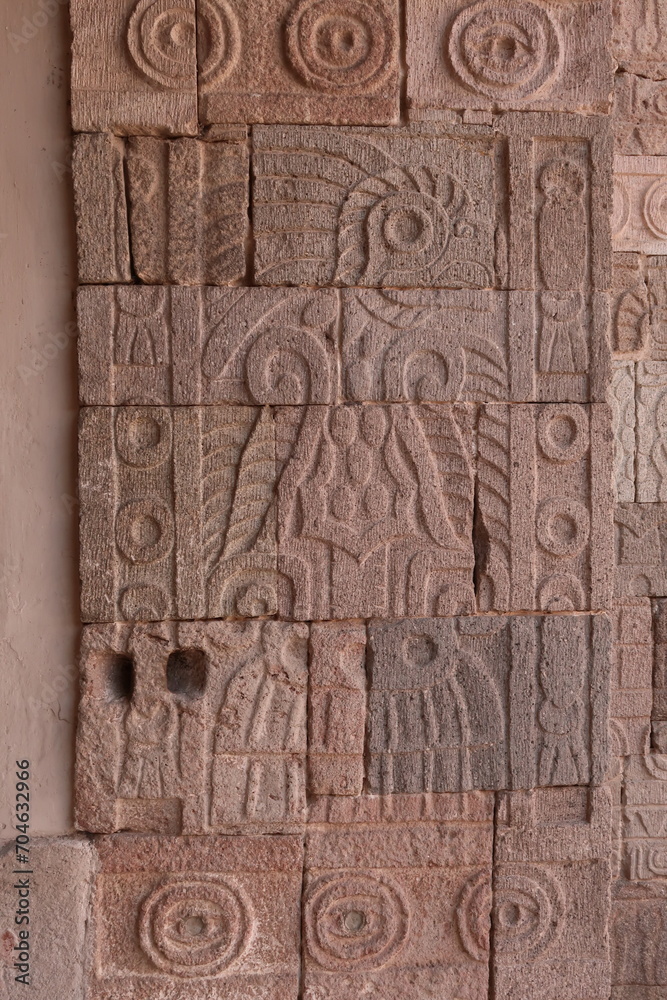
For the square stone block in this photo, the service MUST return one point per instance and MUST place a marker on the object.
(301, 61)
(431, 206)
(193, 727)
(545, 508)
(398, 910)
(375, 507)
(621, 398)
(555, 56)
(551, 895)
(134, 67)
(206, 917)
(187, 221)
(639, 221)
(640, 33)
(641, 558)
(488, 703)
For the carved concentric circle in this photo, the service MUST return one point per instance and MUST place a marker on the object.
(341, 44)
(562, 432)
(144, 530)
(195, 926)
(528, 911)
(563, 526)
(655, 209)
(355, 921)
(505, 51)
(143, 436)
(161, 38)
(473, 916)
(621, 209)
(218, 42)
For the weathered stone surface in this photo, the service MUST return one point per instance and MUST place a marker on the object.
(551, 892)
(375, 507)
(544, 511)
(59, 880)
(428, 207)
(103, 248)
(639, 221)
(177, 512)
(632, 677)
(621, 397)
(192, 727)
(640, 32)
(207, 345)
(210, 917)
(488, 703)
(496, 54)
(398, 910)
(641, 559)
(631, 317)
(657, 285)
(336, 708)
(638, 928)
(188, 203)
(134, 66)
(659, 708)
(313, 61)
(640, 115)
(651, 396)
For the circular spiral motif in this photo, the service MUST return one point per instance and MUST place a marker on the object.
(504, 52)
(219, 39)
(162, 41)
(563, 433)
(562, 526)
(355, 921)
(528, 910)
(144, 530)
(341, 44)
(194, 926)
(655, 209)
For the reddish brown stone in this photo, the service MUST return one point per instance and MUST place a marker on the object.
(103, 250)
(621, 398)
(639, 221)
(640, 115)
(555, 56)
(639, 38)
(545, 508)
(301, 61)
(414, 903)
(211, 917)
(192, 727)
(134, 67)
(632, 675)
(641, 562)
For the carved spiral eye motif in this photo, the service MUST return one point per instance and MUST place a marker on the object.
(655, 209)
(161, 38)
(195, 926)
(218, 42)
(504, 52)
(355, 921)
(341, 44)
(528, 911)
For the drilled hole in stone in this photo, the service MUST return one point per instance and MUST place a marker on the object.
(186, 673)
(119, 671)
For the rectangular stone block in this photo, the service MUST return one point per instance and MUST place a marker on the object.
(558, 56)
(134, 67)
(337, 708)
(632, 677)
(102, 237)
(639, 115)
(188, 346)
(413, 901)
(659, 707)
(639, 221)
(651, 387)
(188, 209)
(311, 63)
(477, 703)
(51, 932)
(192, 727)
(640, 34)
(657, 288)
(631, 313)
(621, 398)
(212, 917)
(544, 508)
(375, 507)
(638, 928)
(641, 560)
(644, 816)
(551, 865)
(177, 512)
(429, 207)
